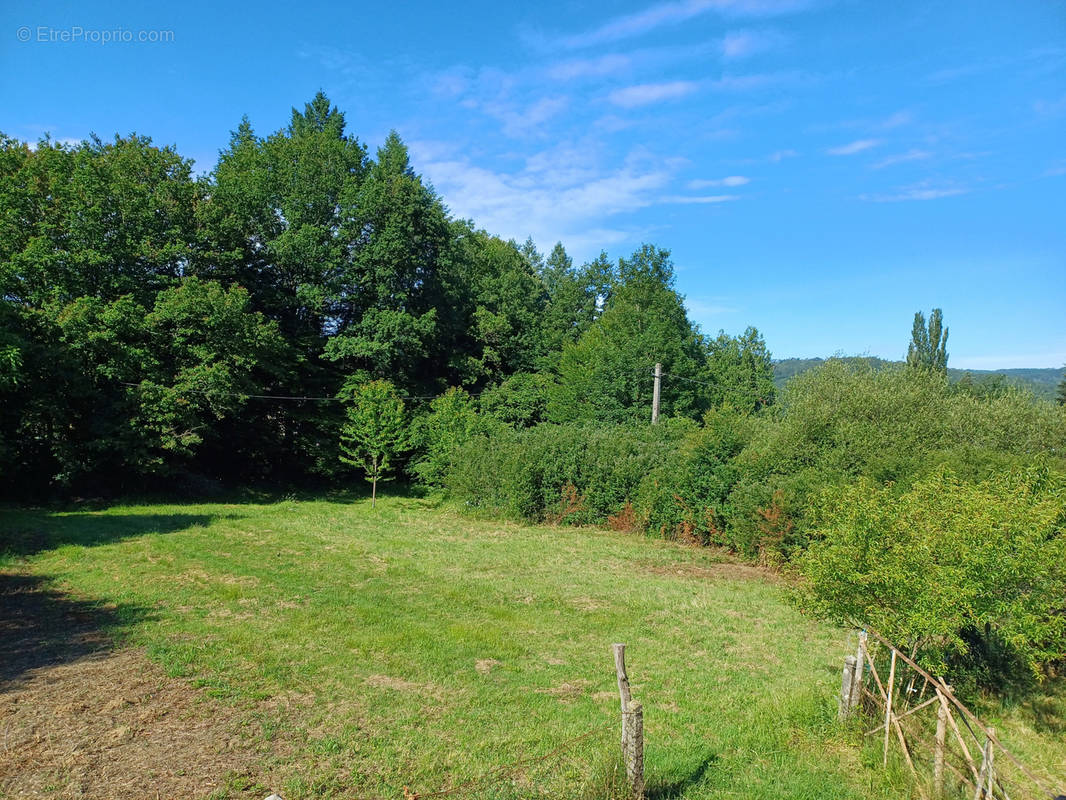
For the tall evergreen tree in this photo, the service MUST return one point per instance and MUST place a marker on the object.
(391, 294)
(606, 375)
(928, 345)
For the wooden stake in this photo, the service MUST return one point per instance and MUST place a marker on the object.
(632, 726)
(907, 757)
(888, 705)
(974, 719)
(633, 751)
(904, 715)
(941, 741)
(847, 686)
(979, 789)
(990, 749)
(959, 738)
(860, 666)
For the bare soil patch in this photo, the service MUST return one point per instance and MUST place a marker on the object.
(729, 570)
(80, 720)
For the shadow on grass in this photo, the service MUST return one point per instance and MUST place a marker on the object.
(674, 786)
(1046, 709)
(40, 626)
(24, 533)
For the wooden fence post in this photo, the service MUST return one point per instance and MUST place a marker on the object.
(634, 750)
(940, 744)
(986, 777)
(847, 688)
(888, 704)
(860, 667)
(632, 726)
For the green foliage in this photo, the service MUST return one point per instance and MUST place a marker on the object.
(99, 219)
(575, 473)
(520, 401)
(688, 496)
(606, 375)
(928, 347)
(846, 420)
(452, 421)
(397, 233)
(375, 429)
(504, 305)
(152, 380)
(1042, 383)
(948, 565)
(741, 371)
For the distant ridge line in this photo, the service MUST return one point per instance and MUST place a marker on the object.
(1043, 382)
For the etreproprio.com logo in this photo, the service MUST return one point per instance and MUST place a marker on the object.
(76, 34)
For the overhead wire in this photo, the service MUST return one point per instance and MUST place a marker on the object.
(327, 399)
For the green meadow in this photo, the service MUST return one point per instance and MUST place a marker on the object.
(410, 646)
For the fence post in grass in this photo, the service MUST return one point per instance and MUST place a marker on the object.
(860, 667)
(847, 688)
(940, 744)
(632, 726)
(984, 777)
(888, 705)
(634, 757)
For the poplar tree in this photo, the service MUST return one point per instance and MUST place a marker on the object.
(928, 346)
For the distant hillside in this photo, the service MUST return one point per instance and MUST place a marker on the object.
(1042, 382)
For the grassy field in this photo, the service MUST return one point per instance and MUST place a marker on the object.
(407, 646)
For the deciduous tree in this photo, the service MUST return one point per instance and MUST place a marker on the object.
(375, 430)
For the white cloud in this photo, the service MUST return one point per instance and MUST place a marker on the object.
(714, 198)
(645, 93)
(896, 120)
(731, 180)
(852, 148)
(673, 13)
(748, 83)
(780, 155)
(923, 190)
(741, 44)
(1050, 108)
(1056, 169)
(699, 308)
(521, 122)
(902, 158)
(610, 64)
(561, 194)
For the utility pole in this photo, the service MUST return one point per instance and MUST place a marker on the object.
(655, 394)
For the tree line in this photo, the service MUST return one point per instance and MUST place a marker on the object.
(158, 329)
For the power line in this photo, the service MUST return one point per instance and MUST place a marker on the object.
(318, 399)
(298, 398)
(690, 380)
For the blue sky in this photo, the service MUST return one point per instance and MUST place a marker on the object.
(820, 170)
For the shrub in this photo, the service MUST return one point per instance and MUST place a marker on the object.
(956, 568)
(520, 401)
(845, 420)
(522, 474)
(688, 495)
(450, 423)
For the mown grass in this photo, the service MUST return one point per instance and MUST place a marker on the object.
(409, 646)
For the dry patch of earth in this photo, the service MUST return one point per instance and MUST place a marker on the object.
(80, 720)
